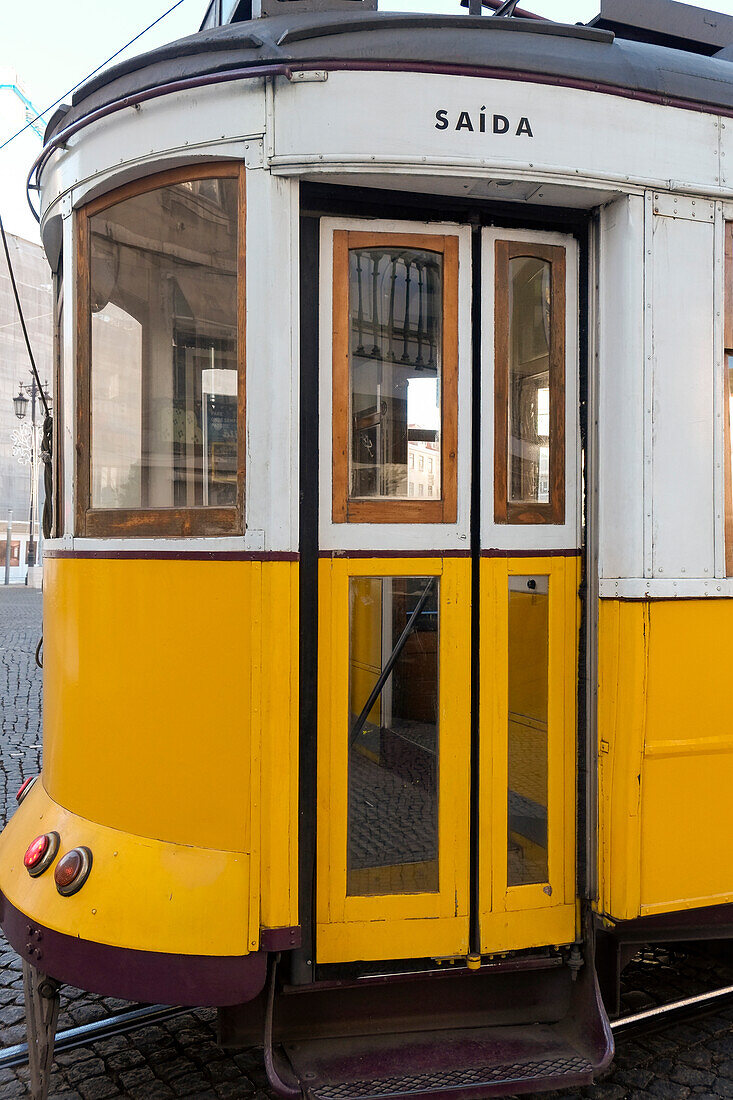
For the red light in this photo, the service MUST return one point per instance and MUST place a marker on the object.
(41, 853)
(36, 851)
(72, 871)
(24, 788)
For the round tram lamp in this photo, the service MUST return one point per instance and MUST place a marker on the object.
(72, 871)
(20, 404)
(41, 853)
(24, 788)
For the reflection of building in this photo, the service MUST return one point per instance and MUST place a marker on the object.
(423, 464)
(34, 287)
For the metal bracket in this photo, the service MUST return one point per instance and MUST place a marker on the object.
(683, 207)
(254, 153)
(307, 76)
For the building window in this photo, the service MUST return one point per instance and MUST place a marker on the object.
(395, 369)
(529, 459)
(161, 356)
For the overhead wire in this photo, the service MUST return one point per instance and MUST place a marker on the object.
(91, 74)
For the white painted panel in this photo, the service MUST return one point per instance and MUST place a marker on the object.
(683, 367)
(209, 122)
(372, 118)
(272, 362)
(526, 536)
(395, 536)
(621, 388)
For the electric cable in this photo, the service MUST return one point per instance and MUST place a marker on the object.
(90, 75)
(47, 440)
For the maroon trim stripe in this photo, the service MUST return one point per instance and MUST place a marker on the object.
(176, 555)
(531, 553)
(394, 553)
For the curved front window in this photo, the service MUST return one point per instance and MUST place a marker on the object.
(161, 357)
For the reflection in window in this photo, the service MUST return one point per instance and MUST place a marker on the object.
(529, 380)
(163, 279)
(392, 845)
(528, 757)
(395, 349)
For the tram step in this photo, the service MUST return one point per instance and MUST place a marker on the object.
(470, 1062)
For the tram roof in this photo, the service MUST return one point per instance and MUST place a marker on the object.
(577, 56)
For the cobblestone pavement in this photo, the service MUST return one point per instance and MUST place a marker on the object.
(179, 1057)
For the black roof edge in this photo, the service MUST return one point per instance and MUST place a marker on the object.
(398, 21)
(182, 47)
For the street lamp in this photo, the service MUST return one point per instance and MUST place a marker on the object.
(20, 406)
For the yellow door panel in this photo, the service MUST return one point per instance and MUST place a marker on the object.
(393, 803)
(528, 661)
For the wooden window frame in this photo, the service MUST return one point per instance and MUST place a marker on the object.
(528, 512)
(728, 350)
(348, 509)
(152, 522)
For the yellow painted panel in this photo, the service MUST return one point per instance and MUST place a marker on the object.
(502, 931)
(687, 836)
(140, 894)
(171, 709)
(154, 681)
(279, 739)
(666, 755)
(623, 634)
(147, 690)
(388, 926)
(417, 938)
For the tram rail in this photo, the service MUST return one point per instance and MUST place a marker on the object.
(650, 1019)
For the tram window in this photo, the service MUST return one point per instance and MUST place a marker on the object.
(527, 732)
(392, 836)
(394, 376)
(529, 467)
(161, 383)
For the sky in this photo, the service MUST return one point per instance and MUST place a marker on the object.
(49, 46)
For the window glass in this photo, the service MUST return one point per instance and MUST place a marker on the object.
(395, 353)
(392, 845)
(163, 286)
(529, 380)
(527, 732)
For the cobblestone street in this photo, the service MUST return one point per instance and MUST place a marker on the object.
(180, 1058)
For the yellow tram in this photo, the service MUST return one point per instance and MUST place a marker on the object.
(386, 609)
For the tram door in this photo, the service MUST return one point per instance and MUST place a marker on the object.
(446, 807)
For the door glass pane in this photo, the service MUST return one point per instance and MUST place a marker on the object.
(529, 380)
(392, 845)
(528, 688)
(164, 348)
(395, 346)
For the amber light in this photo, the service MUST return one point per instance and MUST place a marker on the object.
(41, 853)
(25, 788)
(72, 871)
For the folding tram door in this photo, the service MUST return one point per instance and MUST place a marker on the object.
(396, 793)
